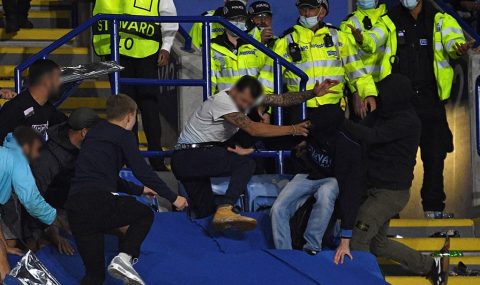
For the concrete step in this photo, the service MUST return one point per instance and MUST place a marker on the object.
(411, 280)
(48, 19)
(89, 88)
(392, 268)
(34, 35)
(435, 244)
(47, 4)
(10, 55)
(427, 227)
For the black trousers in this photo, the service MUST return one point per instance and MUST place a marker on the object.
(93, 214)
(16, 9)
(195, 167)
(146, 97)
(435, 142)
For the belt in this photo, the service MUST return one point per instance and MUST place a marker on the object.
(181, 146)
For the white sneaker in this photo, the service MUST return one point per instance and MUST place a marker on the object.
(123, 270)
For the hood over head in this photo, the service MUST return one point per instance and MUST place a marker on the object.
(395, 93)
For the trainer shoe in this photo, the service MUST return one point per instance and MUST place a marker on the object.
(123, 270)
(226, 217)
(439, 273)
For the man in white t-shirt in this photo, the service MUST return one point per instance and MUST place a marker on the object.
(201, 153)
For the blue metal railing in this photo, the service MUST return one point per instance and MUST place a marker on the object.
(205, 82)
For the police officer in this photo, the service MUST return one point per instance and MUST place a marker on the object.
(322, 52)
(260, 14)
(143, 47)
(216, 29)
(425, 40)
(231, 57)
(371, 29)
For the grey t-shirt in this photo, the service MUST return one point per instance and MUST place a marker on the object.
(207, 124)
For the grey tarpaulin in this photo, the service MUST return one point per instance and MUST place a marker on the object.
(89, 70)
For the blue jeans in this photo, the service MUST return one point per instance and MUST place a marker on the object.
(292, 197)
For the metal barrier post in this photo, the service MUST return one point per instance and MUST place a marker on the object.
(278, 86)
(115, 54)
(206, 68)
(18, 80)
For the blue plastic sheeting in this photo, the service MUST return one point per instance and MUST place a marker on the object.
(181, 251)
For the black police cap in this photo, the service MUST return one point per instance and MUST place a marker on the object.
(260, 7)
(234, 9)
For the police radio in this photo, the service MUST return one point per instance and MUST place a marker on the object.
(367, 23)
(294, 51)
(328, 41)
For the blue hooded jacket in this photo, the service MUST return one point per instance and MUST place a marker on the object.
(15, 175)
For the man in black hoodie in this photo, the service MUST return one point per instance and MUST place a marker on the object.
(392, 135)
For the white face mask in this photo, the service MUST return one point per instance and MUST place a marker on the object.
(309, 22)
(409, 4)
(241, 25)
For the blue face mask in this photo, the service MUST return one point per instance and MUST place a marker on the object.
(308, 22)
(409, 4)
(241, 25)
(366, 4)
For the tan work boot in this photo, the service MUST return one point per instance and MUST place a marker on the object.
(226, 218)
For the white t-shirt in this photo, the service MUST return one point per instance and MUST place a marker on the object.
(207, 124)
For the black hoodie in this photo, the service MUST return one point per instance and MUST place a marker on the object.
(392, 135)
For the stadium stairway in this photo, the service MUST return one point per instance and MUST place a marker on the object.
(52, 19)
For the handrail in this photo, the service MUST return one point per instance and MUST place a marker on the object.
(465, 26)
(205, 82)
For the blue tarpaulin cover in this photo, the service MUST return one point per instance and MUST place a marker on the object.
(179, 250)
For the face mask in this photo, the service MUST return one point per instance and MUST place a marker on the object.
(241, 25)
(366, 4)
(309, 22)
(409, 4)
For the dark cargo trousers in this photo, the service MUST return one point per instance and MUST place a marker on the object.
(370, 231)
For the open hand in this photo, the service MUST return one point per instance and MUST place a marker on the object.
(64, 246)
(370, 104)
(240, 150)
(462, 49)
(7, 94)
(323, 88)
(342, 250)
(358, 106)
(15, 251)
(357, 34)
(163, 57)
(301, 129)
(180, 203)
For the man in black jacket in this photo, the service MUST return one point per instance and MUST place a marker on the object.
(55, 168)
(392, 135)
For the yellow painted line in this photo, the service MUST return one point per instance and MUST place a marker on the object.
(410, 280)
(43, 2)
(431, 223)
(435, 244)
(34, 34)
(7, 70)
(84, 85)
(76, 102)
(34, 50)
(468, 260)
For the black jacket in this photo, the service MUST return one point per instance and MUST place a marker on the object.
(55, 168)
(392, 135)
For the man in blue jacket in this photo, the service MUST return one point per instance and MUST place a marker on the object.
(19, 149)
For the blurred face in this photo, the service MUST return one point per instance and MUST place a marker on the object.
(32, 151)
(263, 20)
(243, 99)
(131, 119)
(52, 83)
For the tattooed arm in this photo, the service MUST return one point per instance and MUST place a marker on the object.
(264, 130)
(296, 98)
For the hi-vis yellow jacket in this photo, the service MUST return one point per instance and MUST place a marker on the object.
(137, 39)
(375, 50)
(216, 29)
(339, 62)
(229, 63)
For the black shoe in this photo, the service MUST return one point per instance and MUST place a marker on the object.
(447, 233)
(11, 26)
(439, 273)
(25, 24)
(462, 270)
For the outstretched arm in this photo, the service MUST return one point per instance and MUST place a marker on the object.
(296, 98)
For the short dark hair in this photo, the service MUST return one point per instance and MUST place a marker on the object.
(118, 106)
(26, 135)
(252, 83)
(39, 69)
